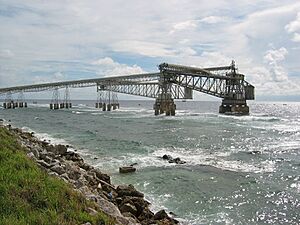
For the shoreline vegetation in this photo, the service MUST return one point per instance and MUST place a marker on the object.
(42, 183)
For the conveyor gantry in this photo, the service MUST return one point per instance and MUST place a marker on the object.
(171, 82)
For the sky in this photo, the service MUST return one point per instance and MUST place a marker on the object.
(44, 41)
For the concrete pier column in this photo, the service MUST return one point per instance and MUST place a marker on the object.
(108, 107)
(96, 105)
(114, 106)
(56, 106)
(21, 104)
(51, 106)
(104, 107)
(234, 107)
(4, 105)
(164, 104)
(25, 104)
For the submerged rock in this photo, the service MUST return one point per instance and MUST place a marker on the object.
(171, 160)
(127, 169)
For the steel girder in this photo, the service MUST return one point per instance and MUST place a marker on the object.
(150, 90)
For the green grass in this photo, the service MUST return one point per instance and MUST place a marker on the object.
(29, 196)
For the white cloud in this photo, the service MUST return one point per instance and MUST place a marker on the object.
(213, 19)
(151, 49)
(275, 55)
(273, 58)
(294, 25)
(296, 37)
(44, 38)
(55, 77)
(185, 25)
(108, 67)
(6, 53)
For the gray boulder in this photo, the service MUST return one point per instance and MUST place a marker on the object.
(58, 169)
(124, 190)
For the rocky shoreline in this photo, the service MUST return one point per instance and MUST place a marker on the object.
(124, 203)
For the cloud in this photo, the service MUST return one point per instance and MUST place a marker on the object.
(213, 19)
(108, 67)
(185, 25)
(294, 25)
(296, 37)
(39, 39)
(6, 53)
(273, 58)
(55, 77)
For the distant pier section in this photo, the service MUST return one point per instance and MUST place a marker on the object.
(170, 83)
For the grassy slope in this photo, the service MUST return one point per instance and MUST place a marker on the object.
(30, 196)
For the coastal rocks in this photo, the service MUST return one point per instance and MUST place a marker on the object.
(170, 159)
(73, 156)
(60, 149)
(160, 215)
(127, 169)
(127, 207)
(124, 203)
(128, 190)
(58, 169)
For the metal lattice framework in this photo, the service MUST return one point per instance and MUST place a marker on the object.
(179, 81)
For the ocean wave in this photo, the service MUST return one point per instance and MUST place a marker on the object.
(46, 136)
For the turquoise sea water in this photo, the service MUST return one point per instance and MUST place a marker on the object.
(239, 170)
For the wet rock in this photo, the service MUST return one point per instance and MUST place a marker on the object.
(127, 169)
(60, 149)
(171, 160)
(177, 161)
(124, 190)
(146, 215)
(86, 166)
(160, 215)
(127, 207)
(254, 152)
(167, 157)
(101, 176)
(72, 156)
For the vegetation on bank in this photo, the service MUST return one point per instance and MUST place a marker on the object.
(30, 196)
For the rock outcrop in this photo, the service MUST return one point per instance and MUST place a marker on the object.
(124, 203)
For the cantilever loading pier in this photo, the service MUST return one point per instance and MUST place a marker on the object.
(170, 83)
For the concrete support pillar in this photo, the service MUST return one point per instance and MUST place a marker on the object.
(4, 105)
(234, 107)
(164, 104)
(104, 107)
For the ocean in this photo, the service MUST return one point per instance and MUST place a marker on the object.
(238, 170)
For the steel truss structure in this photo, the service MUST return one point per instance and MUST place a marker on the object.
(172, 82)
